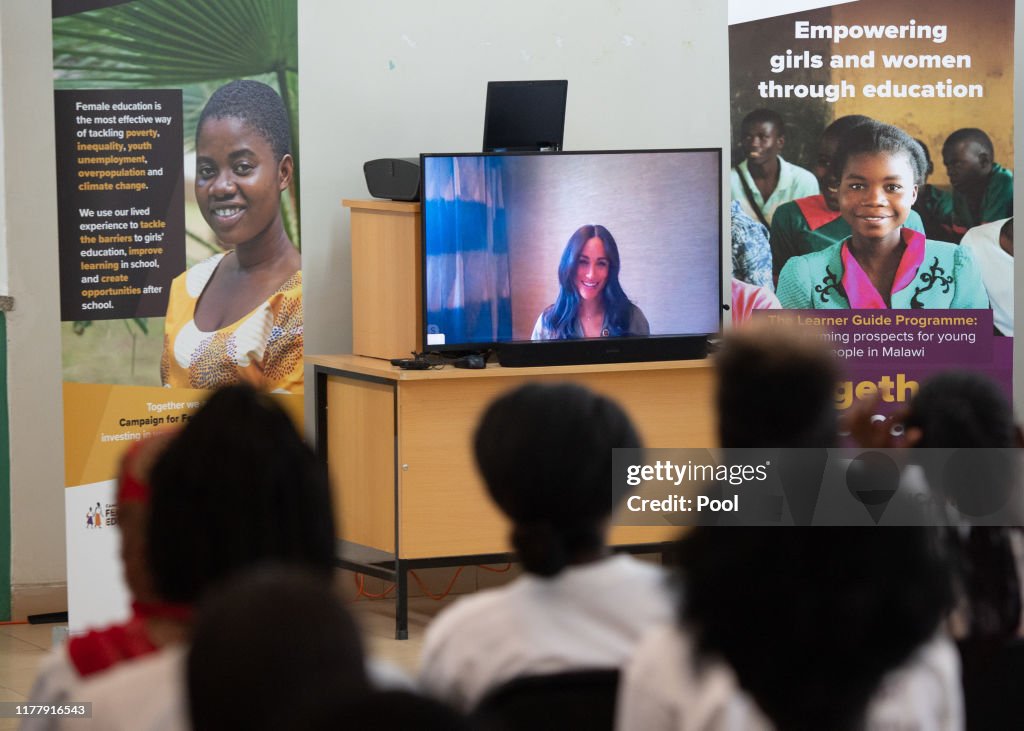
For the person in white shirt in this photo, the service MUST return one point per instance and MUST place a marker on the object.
(545, 453)
(668, 686)
(796, 627)
(992, 244)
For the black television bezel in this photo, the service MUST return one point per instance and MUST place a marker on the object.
(518, 353)
(488, 111)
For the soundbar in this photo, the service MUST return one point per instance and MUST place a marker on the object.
(600, 350)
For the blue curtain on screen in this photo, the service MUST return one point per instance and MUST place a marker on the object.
(467, 252)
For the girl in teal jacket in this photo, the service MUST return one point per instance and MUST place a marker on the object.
(881, 264)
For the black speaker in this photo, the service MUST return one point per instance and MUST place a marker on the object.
(397, 178)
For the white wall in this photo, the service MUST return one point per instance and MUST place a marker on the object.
(399, 78)
(29, 197)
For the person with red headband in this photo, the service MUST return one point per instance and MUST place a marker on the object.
(153, 623)
(235, 488)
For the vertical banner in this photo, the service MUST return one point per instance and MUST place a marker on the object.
(901, 252)
(177, 178)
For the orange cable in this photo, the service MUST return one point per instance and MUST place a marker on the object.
(443, 594)
(361, 591)
(20, 621)
(508, 567)
(360, 579)
(383, 595)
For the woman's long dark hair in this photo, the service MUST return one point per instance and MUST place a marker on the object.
(561, 317)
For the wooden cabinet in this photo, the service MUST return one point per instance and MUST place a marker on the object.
(387, 278)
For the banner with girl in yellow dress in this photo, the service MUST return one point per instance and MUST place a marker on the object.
(178, 211)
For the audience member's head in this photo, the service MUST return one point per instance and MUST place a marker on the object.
(968, 156)
(967, 412)
(811, 619)
(236, 487)
(545, 453)
(776, 388)
(155, 622)
(960, 409)
(269, 650)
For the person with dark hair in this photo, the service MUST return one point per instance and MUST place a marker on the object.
(882, 264)
(590, 303)
(966, 411)
(545, 454)
(935, 206)
(234, 488)
(775, 388)
(836, 611)
(992, 245)
(764, 180)
(960, 409)
(242, 673)
(237, 316)
(814, 223)
(795, 628)
(982, 188)
(154, 623)
(239, 465)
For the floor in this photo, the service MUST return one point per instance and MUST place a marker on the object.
(23, 646)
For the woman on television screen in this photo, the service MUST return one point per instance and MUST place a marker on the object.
(590, 303)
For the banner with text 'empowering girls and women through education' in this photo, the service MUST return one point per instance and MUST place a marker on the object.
(874, 143)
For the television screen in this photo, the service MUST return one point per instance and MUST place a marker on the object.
(541, 247)
(524, 115)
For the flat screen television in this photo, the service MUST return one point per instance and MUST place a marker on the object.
(524, 115)
(572, 257)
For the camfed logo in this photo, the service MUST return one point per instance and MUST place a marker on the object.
(101, 516)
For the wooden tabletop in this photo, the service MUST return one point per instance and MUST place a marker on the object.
(383, 369)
